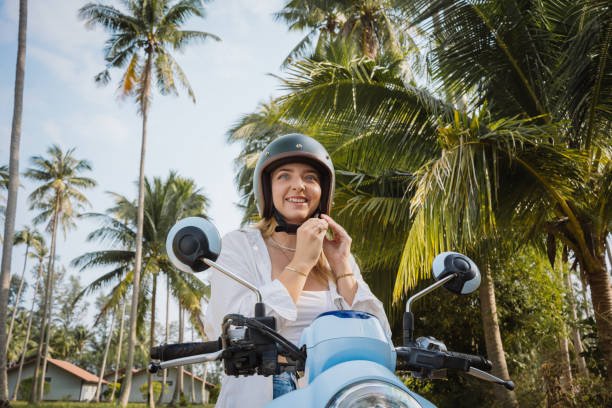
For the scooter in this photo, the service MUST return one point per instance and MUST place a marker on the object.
(345, 355)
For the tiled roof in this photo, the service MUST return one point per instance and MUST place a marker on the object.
(76, 371)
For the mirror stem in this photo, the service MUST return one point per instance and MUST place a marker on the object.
(427, 290)
(408, 323)
(260, 309)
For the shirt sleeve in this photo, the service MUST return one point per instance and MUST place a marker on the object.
(365, 300)
(229, 296)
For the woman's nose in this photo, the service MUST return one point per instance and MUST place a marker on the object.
(299, 185)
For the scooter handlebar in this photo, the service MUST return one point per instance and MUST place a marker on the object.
(475, 361)
(417, 358)
(180, 350)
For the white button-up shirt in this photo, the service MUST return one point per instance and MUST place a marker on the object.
(244, 253)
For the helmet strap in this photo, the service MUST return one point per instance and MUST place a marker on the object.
(284, 226)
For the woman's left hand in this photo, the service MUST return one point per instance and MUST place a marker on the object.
(338, 249)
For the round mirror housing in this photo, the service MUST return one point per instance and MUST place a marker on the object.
(468, 275)
(190, 240)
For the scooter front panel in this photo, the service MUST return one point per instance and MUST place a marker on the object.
(332, 381)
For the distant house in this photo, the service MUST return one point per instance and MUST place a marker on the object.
(67, 382)
(201, 389)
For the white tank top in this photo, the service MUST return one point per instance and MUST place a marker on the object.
(309, 306)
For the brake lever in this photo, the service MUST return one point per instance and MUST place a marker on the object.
(154, 367)
(483, 375)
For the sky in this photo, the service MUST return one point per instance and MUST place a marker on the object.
(63, 105)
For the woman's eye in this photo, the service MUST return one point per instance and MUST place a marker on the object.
(312, 177)
(283, 176)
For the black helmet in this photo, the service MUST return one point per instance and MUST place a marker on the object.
(292, 148)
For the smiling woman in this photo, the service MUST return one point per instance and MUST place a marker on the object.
(299, 272)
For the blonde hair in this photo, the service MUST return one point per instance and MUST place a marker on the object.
(321, 270)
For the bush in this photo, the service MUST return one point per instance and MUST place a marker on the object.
(157, 387)
(25, 388)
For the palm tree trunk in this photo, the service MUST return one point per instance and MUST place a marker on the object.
(204, 399)
(10, 331)
(566, 377)
(167, 332)
(178, 389)
(13, 188)
(493, 341)
(152, 341)
(27, 337)
(601, 297)
(45, 335)
(127, 383)
(101, 374)
(575, 333)
(39, 385)
(119, 347)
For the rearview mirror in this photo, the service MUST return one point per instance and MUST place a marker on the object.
(190, 241)
(468, 275)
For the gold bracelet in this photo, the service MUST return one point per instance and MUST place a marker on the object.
(296, 271)
(343, 276)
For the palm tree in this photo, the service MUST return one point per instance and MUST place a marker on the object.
(31, 238)
(562, 77)
(13, 186)
(166, 201)
(59, 199)
(371, 25)
(140, 42)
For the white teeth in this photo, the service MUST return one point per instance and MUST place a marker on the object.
(296, 200)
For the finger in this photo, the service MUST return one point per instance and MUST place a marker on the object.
(337, 228)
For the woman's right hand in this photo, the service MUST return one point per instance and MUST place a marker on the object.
(309, 244)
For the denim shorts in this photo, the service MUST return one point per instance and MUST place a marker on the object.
(283, 383)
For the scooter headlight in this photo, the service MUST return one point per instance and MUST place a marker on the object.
(373, 394)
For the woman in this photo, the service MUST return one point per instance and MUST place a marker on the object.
(299, 271)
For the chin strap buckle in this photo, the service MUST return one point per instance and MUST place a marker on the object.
(284, 226)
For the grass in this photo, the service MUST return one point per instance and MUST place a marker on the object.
(68, 404)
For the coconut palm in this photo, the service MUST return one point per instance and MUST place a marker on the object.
(13, 186)
(166, 201)
(561, 77)
(371, 25)
(32, 239)
(140, 44)
(59, 198)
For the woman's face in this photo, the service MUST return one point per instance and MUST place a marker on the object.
(296, 191)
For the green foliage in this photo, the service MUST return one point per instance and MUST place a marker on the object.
(214, 393)
(157, 388)
(110, 387)
(141, 41)
(25, 388)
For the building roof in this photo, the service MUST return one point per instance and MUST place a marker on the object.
(76, 371)
(66, 366)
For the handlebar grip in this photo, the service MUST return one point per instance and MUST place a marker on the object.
(475, 361)
(179, 350)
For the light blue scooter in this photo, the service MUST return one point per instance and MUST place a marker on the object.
(345, 355)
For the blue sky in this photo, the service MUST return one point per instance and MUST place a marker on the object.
(63, 105)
